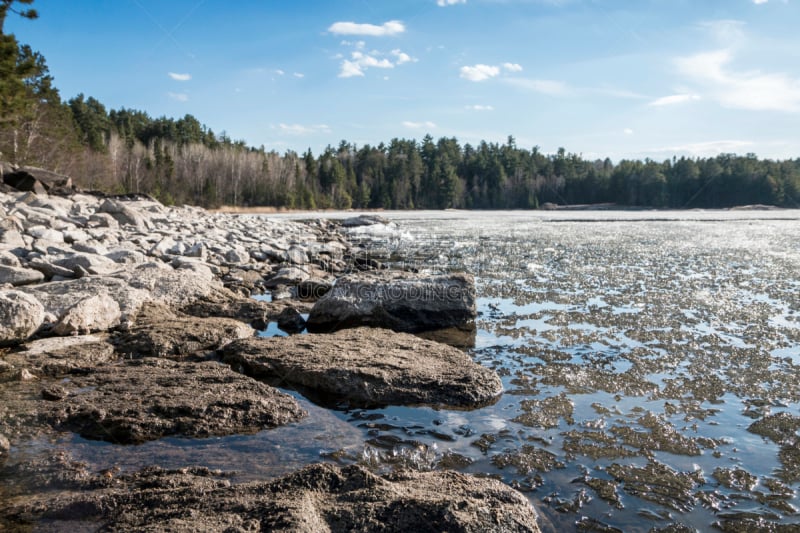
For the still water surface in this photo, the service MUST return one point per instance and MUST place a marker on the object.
(636, 350)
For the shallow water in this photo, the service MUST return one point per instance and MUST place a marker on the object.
(635, 348)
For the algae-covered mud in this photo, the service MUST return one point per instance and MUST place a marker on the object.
(651, 363)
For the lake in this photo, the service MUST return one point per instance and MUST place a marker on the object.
(647, 358)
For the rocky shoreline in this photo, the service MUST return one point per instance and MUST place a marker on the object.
(126, 321)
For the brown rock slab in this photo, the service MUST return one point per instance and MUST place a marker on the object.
(370, 367)
(151, 398)
(158, 332)
(60, 356)
(318, 498)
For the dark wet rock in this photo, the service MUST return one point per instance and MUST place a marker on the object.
(312, 290)
(36, 180)
(148, 399)
(605, 489)
(93, 314)
(59, 356)
(396, 300)
(158, 332)
(594, 444)
(19, 276)
(658, 483)
(527, 460)
(369, 366)
(735, 478)
(660, 436)
(546, 413)
(54, 393)
(780, 428)
(752, 524)
(291, 321)
(673, 528)
(20, 317)
(317, 498)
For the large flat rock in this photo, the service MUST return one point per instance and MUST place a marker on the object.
(317, 499)
(59, 356)
(368, 366)
(151, 398)
(400, 301)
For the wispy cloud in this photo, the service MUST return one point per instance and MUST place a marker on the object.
(758, 2)
(402, 57)
(299, 75)
(445, 3)
(748, 89)
(707, 148)
(628, 131)
(512, 67)
(674, 99)
(299, 129)
(179, 77)
(393, 27)
(419, 125)
(548, 87)
(179, 97)
(479, 107)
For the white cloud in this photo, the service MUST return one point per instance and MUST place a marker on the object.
(628, 131)
(419, 125)
(279, 72)
(479, 107)
(179, 97)
(298, 129)
(751, 90)
(479, 72)
(350, 69)
(445, 3)
(393, 27)
(674, 99)
(359, 62)
(299, 75)
(512, 67)
(757, 2)
(179, 77)
(403, 57)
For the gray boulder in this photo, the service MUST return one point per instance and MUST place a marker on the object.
(96, 313)
(19, 276)
(287, 276)
(152, 398)
(125, 215)
(369, 366)
(396, 300)
(364, 220)
(20, 316)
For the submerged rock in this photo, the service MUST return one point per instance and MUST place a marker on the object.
(369, 366)
(400, 301)
(151, 398)
(20, 316)
(318, 498)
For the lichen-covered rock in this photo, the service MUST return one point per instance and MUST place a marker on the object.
(20, 316)
(399, 301)
(367, 366)
(318, 498)
(148, 399)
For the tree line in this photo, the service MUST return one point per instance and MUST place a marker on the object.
(183, 161)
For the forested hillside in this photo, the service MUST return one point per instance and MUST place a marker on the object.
(182, 161)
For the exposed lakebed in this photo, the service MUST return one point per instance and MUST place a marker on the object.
(646, 358)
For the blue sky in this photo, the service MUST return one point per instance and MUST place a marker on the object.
(625, 79)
